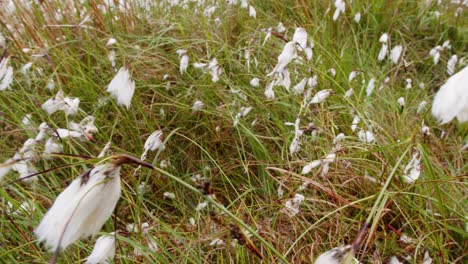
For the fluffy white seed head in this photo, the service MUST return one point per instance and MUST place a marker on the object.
(300, 36)
(6, 74)
(395, 53)
(333, 256)
(122, 87)
(452, 99)
(320, 96)
(111, 42)
(82, 208)
(103, 251)
(286, 56)
(60, 103)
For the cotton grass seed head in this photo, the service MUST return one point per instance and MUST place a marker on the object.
(122, 87)
(85, 205)
(103, 251)
(452, 99)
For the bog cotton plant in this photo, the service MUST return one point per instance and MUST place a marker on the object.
(184, 60)
(337, 255)
(395, 53)
(61, 103)
(340, 8)
(292, 206)
(122, 87)
(286, 56)
(412, 170)
(320, 96)
(6, 74)
(451, 63)
(84, 206)
(103, 251)
(384, 49)
(451, 101)
(296, 142)
(370, 87)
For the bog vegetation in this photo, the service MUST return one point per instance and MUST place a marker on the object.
(278, 130)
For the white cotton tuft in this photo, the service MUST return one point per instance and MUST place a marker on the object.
(309, 53)
(103, 251)
(452, 62)
(111, 42)
(366, 136)
(284, 79)
(352, 75)
(300, 36)
(409, 83)
(280, 28)
(394, 260)
(111, 58)
(370, 87)
(122, 87)
(312, 81)
(349, 92)
(82, 208)
(309, 166)
(296, 142)
(65, 133)
(86, 128)
(154, 141)
(334, 255)
(452, 99)
(413, 169)
(5, 168)
(355, 122)
(326, 163)
(197, 106)
(299, 88)
(286, 56)
(292, 206)
(60, 103)
(269, 92)
(169, 195)
(217, 242)
(383, 38)
(268, 35)
(215, 70)
(184, 60)
(427, 258)
(244, 3)
(24, 169)
(401, 101)
(255, 82)
(421, 107)
(320, 96)
(395, 53)
(252, 12)
(357, 17)
(50, 84)
(244, 111)
(6, 74)
(383, 52)
(201, 206)
(435, 54)
(339, 137)
(340, 8)
(52, 146)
